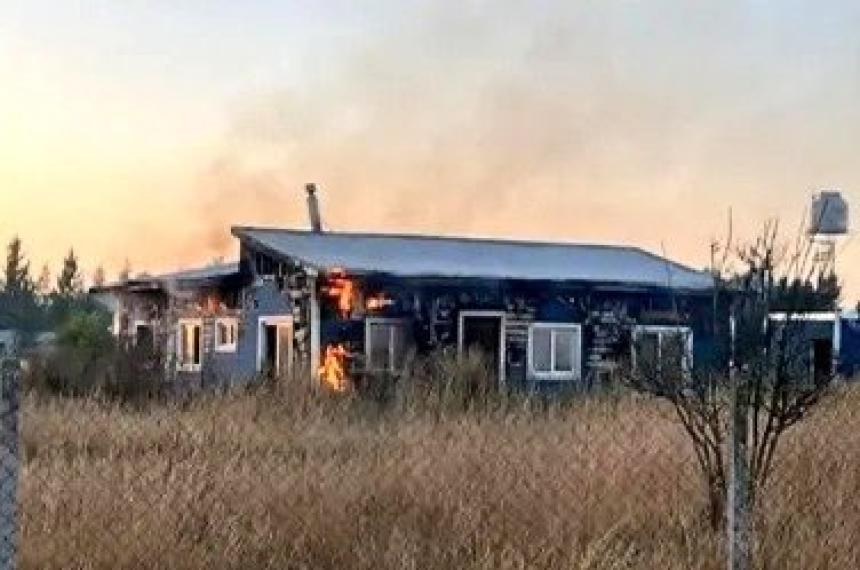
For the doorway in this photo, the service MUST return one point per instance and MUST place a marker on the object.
(484, 331)
(275, 346)
(822, 359)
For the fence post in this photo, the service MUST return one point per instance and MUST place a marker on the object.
(739, 484)
(9, 387)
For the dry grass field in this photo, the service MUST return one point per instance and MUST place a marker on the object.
(283, 479)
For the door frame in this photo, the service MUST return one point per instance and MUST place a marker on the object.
(196, 323)
(277, 321)
(502, 316)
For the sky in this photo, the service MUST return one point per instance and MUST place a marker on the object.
(144, 129)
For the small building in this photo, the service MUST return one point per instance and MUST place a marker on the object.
(342, 306)
(8, 342)
(829, 341)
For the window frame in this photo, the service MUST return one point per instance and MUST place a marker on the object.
(465, 314)
(394, 321)
(181, 365)
(576, 352)
(232, 324)
(142, 323)
(661, 331)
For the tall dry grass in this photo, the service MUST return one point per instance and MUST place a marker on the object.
(288, 478)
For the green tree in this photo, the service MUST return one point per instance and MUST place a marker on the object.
(16, 278)
(70, 282)
(18, 306)
(87, 332)
(810, 294)
(85, 346)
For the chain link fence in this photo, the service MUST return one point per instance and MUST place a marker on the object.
(286, 477)
(9, 461)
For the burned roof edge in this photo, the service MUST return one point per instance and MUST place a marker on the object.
(193, 276)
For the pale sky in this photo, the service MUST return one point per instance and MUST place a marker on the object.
(144, 129)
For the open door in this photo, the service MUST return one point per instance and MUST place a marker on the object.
(275, 346)
(822, 359)
(484, 331)
(284, 363)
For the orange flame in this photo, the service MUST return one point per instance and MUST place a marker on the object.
(333, 369)
(342, 289)
(210, 304)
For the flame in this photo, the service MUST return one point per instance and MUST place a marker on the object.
(333, 369)
(210, 304)
(342, 289)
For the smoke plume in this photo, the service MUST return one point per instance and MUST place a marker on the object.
(590, 121)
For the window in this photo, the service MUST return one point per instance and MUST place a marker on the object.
(554, 351)
(386, 343)
(658, 347)
(190, 346)
(144, 336)
(226, 334)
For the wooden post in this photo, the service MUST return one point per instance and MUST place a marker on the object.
(738, 505)
(314, 330)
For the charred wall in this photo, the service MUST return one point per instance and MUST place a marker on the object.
(433, 307)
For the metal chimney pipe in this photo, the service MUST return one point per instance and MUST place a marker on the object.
(313, 208)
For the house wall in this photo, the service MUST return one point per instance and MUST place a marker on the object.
(262, 299)
(275, 289)
(278, 286)
(607, 319)
(849, 352)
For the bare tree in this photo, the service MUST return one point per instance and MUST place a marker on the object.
(763, 287)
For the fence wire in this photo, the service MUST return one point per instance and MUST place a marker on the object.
(9, 464)
(286, 477)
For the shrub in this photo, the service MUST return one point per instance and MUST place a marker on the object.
(88, 361)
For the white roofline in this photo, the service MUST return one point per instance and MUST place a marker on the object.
(815, 316)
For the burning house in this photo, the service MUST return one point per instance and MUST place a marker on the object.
(346, 305)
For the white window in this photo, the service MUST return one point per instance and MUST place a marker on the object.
(555, 351)
(226, 334)
(386, 342)
(189, 345)
(658, 346)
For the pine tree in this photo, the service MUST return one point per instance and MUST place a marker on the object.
(70, 283)
(17, 282)
(18, 306)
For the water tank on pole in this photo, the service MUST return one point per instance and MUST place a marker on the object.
(828, 215)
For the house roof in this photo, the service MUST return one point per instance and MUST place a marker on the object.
(185, 278)
(216, 271)
(461, 257)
